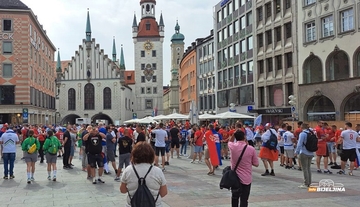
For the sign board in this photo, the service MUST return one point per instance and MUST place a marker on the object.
(250, 108)
(293, 108)
(25, 115)
(134, 115)
(6, 36)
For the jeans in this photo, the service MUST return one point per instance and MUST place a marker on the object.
(305, 164)
(84, 161)
(183, 148)
(244, 196)
(115, 144)
(9, 159)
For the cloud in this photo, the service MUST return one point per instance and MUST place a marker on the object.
(65, 21)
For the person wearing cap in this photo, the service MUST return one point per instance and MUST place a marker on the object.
(267, 155)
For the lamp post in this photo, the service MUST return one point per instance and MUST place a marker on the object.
(292, 102)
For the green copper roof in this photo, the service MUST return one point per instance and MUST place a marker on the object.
(177, 37)
(161, 20)
(88, 27)
(134, 21)
(122, 60)
(114, 50)
(58, 64)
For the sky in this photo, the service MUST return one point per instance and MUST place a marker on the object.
(65, 22)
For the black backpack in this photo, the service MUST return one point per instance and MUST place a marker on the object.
(142, 196)
(311, 142)
(272, 142)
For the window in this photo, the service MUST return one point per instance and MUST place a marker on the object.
(154, 66)
(242, 22)
(247, 95)
(236, 49)
(243, 70)
(278, 34)
(148, 104)
(308, 2)
(219, 16)
(230, 30)
(142, 53)
(7, 70)
(231, 52)
(7, 25)
(327, 26)
(288, 59)
(268, 37)
(107, 98)
(278, 60)
(236, 5)
(250, 43)
(148, 90)
(250, 66)
(89, 97)
(142, 79)
(287, 4)
(71, 99)
(154, 90)
(288, 33)
(142, 66)
(142, 90)
(154, 53)
(268, 10)
(278, 6)
(242, 46)
(154, 78)
(337, 66)
(7, 48)
(269, 63)
(261, 66)
(229, 8)
(310, 34)
(147, 26)
(249, 19)
(236, 26)
(7, 95)
(219, 36)
(259, 13)
(312, 72)
(260, 40)
(225, 33)
(347, 20)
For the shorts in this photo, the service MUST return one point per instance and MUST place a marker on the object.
(331, 147)
(167, 147)
(348, 154)
(31, 157)
(206, 153)
(175, 143)
(282, 150)
(198, 149)
(322, 150)
(51, 159)
(160, 150)
(289, 153)
(110, 156)
(72, 151)
(224, 145)
(124, 159)
(95, 160)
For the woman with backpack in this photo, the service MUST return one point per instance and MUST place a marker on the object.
(30, 146)
(153, 189)
(51, 148)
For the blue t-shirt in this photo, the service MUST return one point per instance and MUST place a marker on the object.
(9, 139)
(184, 134)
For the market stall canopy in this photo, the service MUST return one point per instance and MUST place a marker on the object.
(176, 116)
(146, 120)
(159, 117)
(131, 121)
(207, 116)
(232, 115)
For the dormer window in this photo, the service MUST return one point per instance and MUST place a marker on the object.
(147, 8)
(148, 26)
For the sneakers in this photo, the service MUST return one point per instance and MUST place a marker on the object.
(299, 169)
(303, 186)
(351, 174)
(319, 171)
(12, 176)
(192, 161)
(272, 173)
(28, 180)
(117, 179)
(100, 181)
(54, 178)
(341, 172)
(327, 171)
(163, 170)
(331, 163)
(6, 177)
(167, 163)
(32, 178)
(266, 173)
(94, 181)
(49, 177)
(107, 173)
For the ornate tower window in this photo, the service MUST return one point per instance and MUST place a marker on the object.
(107, 98)
(89, 98)
(71, 99)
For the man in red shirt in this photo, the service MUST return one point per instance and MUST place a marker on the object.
(41, 138)
(198, 143)
(322, 147)
(224, 142)
(296, 134)
(60, 135)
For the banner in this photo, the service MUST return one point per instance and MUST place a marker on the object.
(258, 120)
(25, 115)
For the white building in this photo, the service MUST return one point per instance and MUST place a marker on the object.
(93, 86)
(148, 37)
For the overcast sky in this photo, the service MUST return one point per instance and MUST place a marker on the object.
(65, 21)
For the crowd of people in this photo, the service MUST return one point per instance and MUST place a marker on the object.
(142, 146)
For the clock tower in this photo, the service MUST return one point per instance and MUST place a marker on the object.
(148, 37)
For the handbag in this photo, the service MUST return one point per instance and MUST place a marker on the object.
(230, 180)
(32, 148)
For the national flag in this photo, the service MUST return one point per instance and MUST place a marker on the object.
(258, 120)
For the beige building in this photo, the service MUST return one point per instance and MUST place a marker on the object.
(329, 60)
(275, 42)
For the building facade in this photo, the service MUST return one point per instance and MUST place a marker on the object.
(233, 37)
(148, 38)
(329, 59)
(93, 85)
(27, 89)
(187, 77)
(275, 32)
(205, 61)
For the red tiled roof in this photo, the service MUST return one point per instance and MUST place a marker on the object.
(154, 28)
(131, 75)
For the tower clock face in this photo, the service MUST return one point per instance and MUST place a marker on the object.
(148, 45)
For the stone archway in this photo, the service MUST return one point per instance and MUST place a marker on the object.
(69, 119)
(320, 108)
(350, 108)
(99, 117)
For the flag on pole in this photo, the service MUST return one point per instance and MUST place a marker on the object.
(258, 120)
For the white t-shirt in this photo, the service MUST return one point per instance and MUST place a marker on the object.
(135, 134)
(266, 136)
(280, 137)
(288, 143)
(160, 136)
(154, 180)
(349, 138)
(358, 143)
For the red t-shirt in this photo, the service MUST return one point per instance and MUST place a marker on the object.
(41, 137)
(331, 134)
(320, 133)
(297, 132)
(60, 135)
(231, 132)
(225, 135)
(337, 135)
(198, 135)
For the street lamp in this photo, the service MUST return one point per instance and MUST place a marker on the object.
(18, 118)
(292, 102)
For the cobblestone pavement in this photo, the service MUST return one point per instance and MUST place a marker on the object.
(188, 186)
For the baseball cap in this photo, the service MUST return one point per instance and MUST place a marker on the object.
(268, 125)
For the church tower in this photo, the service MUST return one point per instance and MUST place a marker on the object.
(177, 51)
(148, 38)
